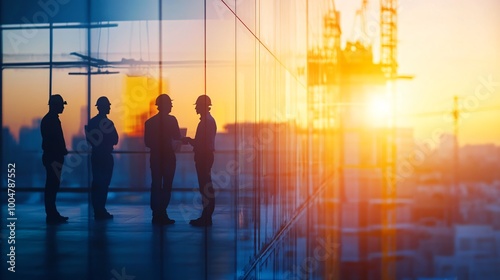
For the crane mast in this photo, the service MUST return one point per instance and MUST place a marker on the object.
(388, 37)
(388, 61)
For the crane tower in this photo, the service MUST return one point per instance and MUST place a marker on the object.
(388, 61)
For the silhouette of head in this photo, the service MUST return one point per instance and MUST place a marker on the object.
(56, 103)
(164, 103)
(103, 105)
(203, 103)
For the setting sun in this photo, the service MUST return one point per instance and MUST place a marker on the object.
(277, 139)
(378, 111)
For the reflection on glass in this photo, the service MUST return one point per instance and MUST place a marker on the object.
(304, 150)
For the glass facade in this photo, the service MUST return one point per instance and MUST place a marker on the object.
(309, 184)
(250, 57)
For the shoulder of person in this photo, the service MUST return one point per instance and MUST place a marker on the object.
(43, 123)
(49, 119)
(173, 118)
(94, 122)
(110, 121)
(151, 120)
(48, 116)
(211, 118)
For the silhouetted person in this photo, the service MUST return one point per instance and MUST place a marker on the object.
(162, 137)
(204, 147)
(102, 136)
(54, 150)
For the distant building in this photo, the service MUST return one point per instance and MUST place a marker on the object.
(133, 167)
(31, 170)
(139, 98)
(476, 254)
(30, 137)
(78, 162)
(487, 153)
(366, 161)
(9, 148)
(446, 147)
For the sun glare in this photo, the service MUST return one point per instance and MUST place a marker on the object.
(379, 112)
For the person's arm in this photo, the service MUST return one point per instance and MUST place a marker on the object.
(93, 134)
(212, 132)
(204, 140)
(52, 136)
(114, 134)
(61, 143)
(43, 132)
(176, 135)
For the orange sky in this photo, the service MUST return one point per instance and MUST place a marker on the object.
(452, 47)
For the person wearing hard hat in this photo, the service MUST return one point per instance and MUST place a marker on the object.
(54, 150)
(162, 136)
(204, 147)
(102, 136)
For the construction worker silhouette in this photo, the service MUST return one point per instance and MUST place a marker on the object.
(204, 147)
(162, 137)
(102, 136)
(54, 150)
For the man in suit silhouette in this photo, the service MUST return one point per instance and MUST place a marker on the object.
(54, 150)
(102, 136)
(204, 147)
(162, 137)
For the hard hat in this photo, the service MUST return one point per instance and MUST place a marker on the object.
(163, 99)
(203, 100)
(56, 99)
(102, 101)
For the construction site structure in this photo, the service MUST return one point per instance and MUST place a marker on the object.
(323, 92)
(362, 201)
(388, 61)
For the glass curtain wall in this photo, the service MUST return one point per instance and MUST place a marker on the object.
(36, 63)
(249, 56)
(284, 161)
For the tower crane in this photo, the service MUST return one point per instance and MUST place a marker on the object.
(388, 61)
(388, 65)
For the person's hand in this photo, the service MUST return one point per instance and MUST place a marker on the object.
(176, 145)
